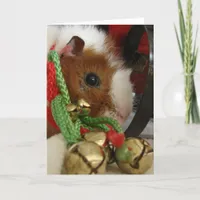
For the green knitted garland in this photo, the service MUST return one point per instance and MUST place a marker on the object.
(70, 129)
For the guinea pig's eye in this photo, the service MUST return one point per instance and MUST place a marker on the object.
(92, 80)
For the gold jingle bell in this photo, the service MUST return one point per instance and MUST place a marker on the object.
(142, 156)
(73, 111)
(85, 158)
(97, 137)
(83, 104)
(110, 152)
(81, 108)
(101, 139)
(71, 107)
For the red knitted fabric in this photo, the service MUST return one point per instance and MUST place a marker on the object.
(52, 90)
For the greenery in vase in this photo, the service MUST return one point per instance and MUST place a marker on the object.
(189, 56)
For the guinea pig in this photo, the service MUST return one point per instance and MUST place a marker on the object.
(92, 71)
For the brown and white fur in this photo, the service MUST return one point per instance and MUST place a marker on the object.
(115, 98)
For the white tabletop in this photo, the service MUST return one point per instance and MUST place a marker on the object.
(177, 163)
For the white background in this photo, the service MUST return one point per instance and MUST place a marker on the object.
(22, 95)
(22, 71)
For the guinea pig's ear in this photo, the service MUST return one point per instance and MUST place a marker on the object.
(74, 47)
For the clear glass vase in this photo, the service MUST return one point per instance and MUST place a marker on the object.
(181, 98)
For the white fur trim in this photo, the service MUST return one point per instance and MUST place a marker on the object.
(56, 149)
(93, 37)
(121, 93)
(52, 35)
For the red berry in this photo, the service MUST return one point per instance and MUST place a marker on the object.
(84, 130)
(117, 139)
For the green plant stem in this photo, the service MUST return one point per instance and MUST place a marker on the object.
(189, 59)
(192, 110)
(181, 23)
(188, 91)
(195, 109)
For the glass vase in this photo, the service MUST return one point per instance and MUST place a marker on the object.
(181, 98)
